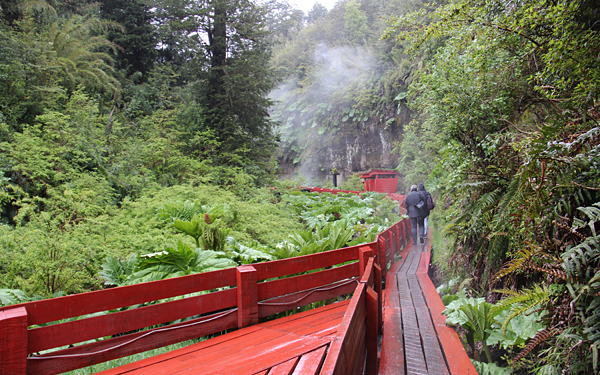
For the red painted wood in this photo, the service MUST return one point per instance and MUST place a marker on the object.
(207, 359)
(13, 342)
(250, 347)
(54, 309)
(334, 191)
(152, 341)
(345, 348)
(286, 368)
(310, 363)
(381, 252)
(247, 295)
(368, 275)
(323, 330)
(456, 356)
(290, 266)
(125, 321)
(371, 331)
(294, 284)
(255, 353)
(398, 232)
(179, 353)
(301, 318)
(357, 354)
(392, 347)
(277, 354)
(424, 263)
(334, 290)
(389, 256)
(379, 290)
(364, 253)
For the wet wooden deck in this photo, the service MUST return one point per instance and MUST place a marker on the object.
(296, 344)
(415, 339)
(418, 351)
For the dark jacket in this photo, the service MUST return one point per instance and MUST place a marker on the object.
(410, 203)
(424, 193)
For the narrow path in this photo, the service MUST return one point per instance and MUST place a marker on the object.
(416, 340)
(422, 351)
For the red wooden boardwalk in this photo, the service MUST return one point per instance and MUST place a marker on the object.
(298, 344)
(416, 341)
(61, 334)
(295, 343)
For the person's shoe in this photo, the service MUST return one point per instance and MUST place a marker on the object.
(423, 241)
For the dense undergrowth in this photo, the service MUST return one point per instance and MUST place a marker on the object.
(507, 128)
(181, 230)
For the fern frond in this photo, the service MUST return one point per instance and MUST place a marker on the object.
(521, 258)
(559, 274)
(577, 259)
(508, 197)
(520, 302)
(539, 338)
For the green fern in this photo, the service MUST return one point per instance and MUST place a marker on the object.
(184, 211)
(519, 303)
(517, 263)
(12, 297)
(116, 271)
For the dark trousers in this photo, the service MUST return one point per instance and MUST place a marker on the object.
(421, 224)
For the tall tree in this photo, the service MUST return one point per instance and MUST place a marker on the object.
(137, 40)
(238, 80)
(317, 12)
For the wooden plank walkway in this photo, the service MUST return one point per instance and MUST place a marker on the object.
(416, 340)
(296, 344)
(422, 351)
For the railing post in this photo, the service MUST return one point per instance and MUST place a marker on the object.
(397, 231)
(13, 341)
(403, 233)
(247, 296)
(378, 290)
(381, 251)
(364, 253)
(372, 331)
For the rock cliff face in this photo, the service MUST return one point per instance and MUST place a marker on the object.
(349, 150)
(346, 111)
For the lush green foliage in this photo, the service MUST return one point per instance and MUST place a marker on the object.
(507, 105)
(171, 232)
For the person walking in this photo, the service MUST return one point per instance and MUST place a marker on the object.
(425, 210)
(412, 202)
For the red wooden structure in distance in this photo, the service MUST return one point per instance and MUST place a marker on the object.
(380, 180)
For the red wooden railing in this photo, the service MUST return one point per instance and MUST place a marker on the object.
(36, 339)
(243, 295)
